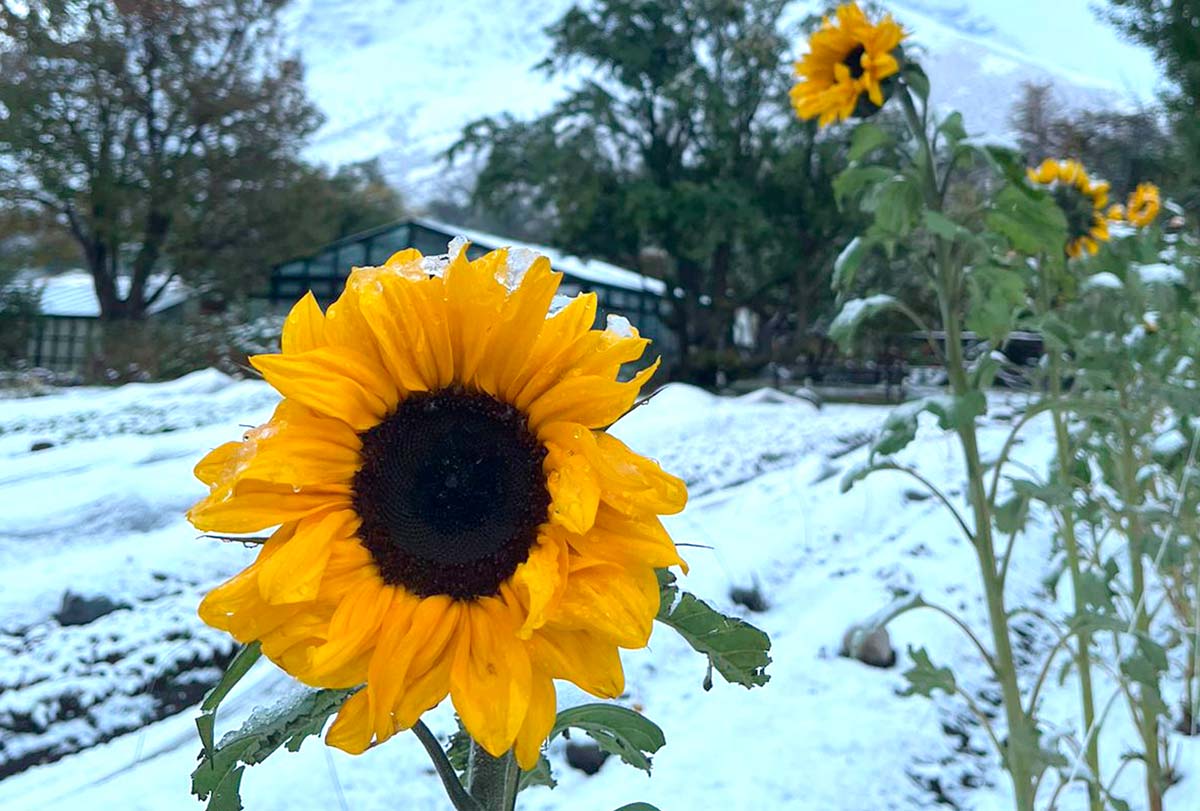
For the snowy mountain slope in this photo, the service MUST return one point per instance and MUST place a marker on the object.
(399, 78)
(826, 733)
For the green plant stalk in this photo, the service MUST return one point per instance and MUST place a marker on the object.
(1083, 659)
(1020, 732)
(1147, 718)
(492, 781)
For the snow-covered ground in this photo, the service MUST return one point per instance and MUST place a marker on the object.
(99, 512)
(398, 79)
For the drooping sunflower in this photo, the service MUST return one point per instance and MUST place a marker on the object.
(451, 520)
(1144, 205)
(848, 56)
(1082, 200)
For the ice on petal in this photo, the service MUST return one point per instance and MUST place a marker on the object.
(519, 262)
(456, 246)
(619, 325)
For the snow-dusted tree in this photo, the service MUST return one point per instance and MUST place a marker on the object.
(680, 138)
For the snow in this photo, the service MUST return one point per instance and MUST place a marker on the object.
(103, 509)
(1170, 443)
(853, 309)
(72, 294)
(1160, 273)
(522, 253)
(1102, 281)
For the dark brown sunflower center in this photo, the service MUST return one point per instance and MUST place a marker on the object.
(451, 493)
(853, 61)
(1078, 209)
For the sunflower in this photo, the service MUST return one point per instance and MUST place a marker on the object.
(1082, 200)
(452, 519)
(846, 58)
(1144, 205)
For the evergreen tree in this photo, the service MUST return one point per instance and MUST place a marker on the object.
(1171, 30)
(681, 141)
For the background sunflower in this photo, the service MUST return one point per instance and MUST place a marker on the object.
(451, 521)
(1144, 205)
(849, 56)
(1082, 200)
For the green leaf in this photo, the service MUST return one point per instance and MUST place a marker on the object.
(539, 775)
(1031, 222)
(1010, 516)
(218, 776)
(997, 297)
(638, 807)
(867, 137)
(923, 677)
(739, 651)
(1146, 663)
(983, 370)
(915, 78)
(953, 128)
(855, 311)
(846, 266)
(1097, 590)
(629, 735)
(238, 667)
(941, 225)
(853, 182)
(860, 471)
(952, 412)
(459, 748)
(898, 205)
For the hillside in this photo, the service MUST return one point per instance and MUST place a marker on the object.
(397, 79)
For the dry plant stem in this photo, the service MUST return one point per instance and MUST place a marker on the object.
(1083, 659)
(1021, 741)
(1146, 717)
(492, 781)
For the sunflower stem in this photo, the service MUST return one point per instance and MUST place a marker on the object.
(492, 781)
(454, 788)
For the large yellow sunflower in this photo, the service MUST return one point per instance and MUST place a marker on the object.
(1144, 205)
(1082, 201)
(450, 519)
(847, 57)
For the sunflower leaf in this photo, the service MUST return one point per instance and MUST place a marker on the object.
(238, 668)
(540, 775)
(924, 676)
(217, 778)
(739, 651)
(855, 311)
(618, 730)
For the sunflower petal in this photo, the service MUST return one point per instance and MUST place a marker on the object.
(304, 327)
(491, 675)
(539, 581)
(352, 629)
(252, 506)
(593, 402)
(293, 574)
(351, 730)
(543, 710)
(628, 541)
(617, 602)
(334, 381)
(581, 657)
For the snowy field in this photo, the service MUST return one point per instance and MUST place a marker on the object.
(98, 511)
